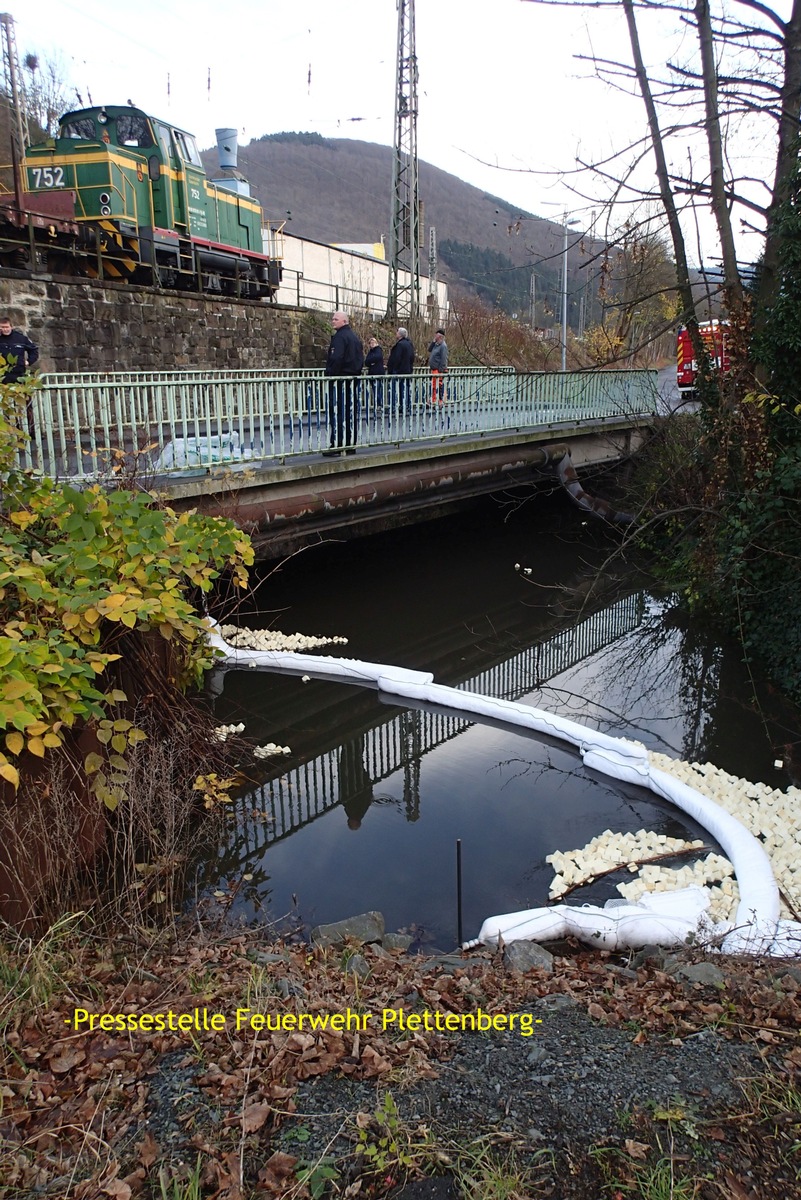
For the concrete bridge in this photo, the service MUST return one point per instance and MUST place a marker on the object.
(251, 445)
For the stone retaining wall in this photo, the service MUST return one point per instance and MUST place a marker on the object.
(101, 326)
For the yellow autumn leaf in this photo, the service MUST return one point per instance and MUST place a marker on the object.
(22, 519)
(115, 600)
(15, 742)
(15, 689)
(70, 620)
(91, 615)
(36, 746)
(51, 740)
(10, 773)
(36, 728)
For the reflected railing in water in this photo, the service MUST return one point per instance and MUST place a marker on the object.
(289, 800)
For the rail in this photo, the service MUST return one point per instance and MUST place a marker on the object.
(85, 426)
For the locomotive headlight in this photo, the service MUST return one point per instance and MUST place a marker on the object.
(105, 211)
(102, 116)
(105, 198)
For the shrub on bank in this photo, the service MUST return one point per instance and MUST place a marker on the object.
(98, 628)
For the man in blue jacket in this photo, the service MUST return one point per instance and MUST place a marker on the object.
(15, 345)
(343, 366)
(18, 355)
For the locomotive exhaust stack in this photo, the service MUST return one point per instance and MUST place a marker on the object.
(227, 148)
(228, 151)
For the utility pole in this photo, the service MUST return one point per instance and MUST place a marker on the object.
(433, 290)
(568, 223)
(12, 81)
(533, 305)
(403, 300)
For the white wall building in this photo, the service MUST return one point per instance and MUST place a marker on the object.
(317, 275)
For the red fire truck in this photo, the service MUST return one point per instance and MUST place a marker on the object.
(714, 334)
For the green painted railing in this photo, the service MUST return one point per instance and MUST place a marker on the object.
(167, 422)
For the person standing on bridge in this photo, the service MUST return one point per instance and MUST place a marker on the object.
(18, 354)
(374, 365)
(401, 363)
(438, 366)
(343, 367)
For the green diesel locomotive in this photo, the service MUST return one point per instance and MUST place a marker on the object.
(130, 201)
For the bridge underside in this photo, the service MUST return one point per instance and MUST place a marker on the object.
(301, 502)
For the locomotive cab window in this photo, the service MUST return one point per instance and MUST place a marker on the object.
(81, 129)
(187, 148)
(133, 130)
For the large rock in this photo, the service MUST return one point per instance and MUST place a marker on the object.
(705, 973)
(367, 927)
(527, 956)
(397, 941)
(358, 965)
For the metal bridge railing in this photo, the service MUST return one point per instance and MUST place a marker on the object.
(172, 422)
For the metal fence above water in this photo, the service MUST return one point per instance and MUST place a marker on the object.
(190, 422)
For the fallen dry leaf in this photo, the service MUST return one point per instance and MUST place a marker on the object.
(736, 1189)
(255, 1116)
(639, 1150)
(64, 1057)
(117, 1189)
(149, 1150)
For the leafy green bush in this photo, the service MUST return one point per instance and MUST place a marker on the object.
(79, 569)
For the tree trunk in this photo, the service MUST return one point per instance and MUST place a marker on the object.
(666, 193)
(720, 207)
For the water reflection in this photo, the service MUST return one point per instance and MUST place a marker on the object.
(367, 812)
(395, 745)
(510, 798)
(355, 785)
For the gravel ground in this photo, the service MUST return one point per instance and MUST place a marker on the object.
(627, 1066)
(570, 1086)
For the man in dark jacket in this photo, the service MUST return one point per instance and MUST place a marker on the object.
(15, 345)
(343, 366)
(19, 354)
(401, 362)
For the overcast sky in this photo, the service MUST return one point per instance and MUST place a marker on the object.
(499, 80)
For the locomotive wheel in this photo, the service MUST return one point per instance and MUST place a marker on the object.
(166, 277)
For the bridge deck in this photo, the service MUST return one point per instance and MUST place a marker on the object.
(251, 446)
(186, 423)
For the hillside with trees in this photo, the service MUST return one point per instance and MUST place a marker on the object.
(338, 190)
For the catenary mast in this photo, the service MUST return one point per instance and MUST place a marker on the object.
(403, 300)
(12, 81)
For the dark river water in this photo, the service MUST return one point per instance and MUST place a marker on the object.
(366, 812)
